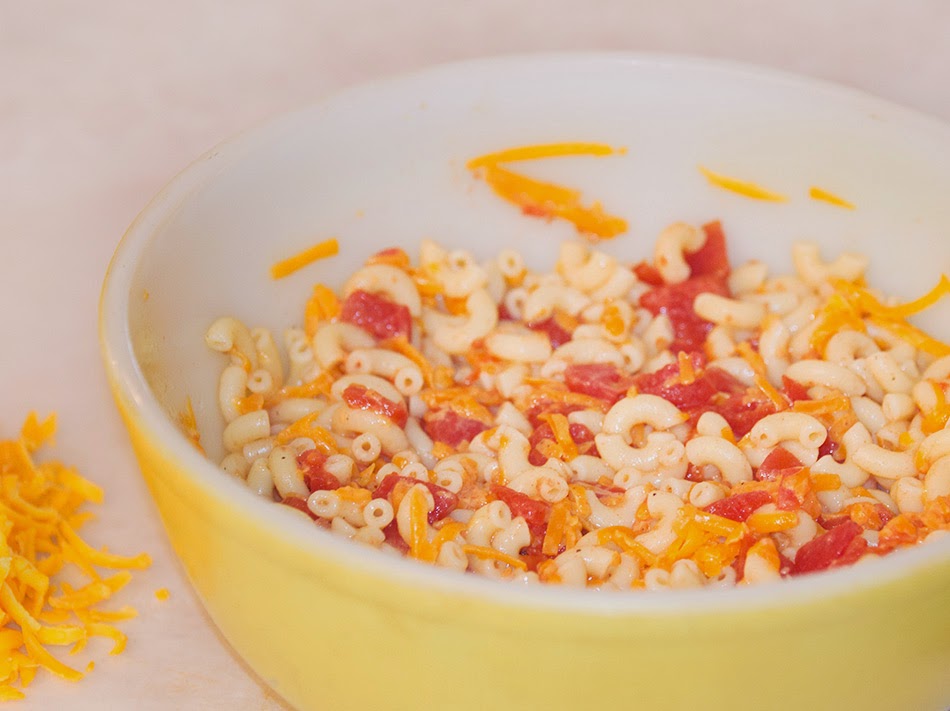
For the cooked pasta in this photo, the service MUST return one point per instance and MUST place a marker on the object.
(670, 424)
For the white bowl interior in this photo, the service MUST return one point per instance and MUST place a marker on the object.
(384, 165)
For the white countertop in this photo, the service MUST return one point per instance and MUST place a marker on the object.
(101, 103)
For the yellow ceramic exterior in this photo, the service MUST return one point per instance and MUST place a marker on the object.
(331, 627)
(326, 636)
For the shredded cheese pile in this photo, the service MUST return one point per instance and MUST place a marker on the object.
(547, 200)
(39, 516)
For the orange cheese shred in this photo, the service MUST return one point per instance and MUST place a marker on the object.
(419, 545)
(816, 193)
(305, 427)
(852, 306)
(741, 187)
(189, 425)
(544, 150)
(541, 199)
(322, 305)
(762, 522)
(486, 553)
(39, 515)
(288, 266)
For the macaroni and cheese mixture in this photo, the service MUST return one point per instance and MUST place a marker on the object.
(674, 423)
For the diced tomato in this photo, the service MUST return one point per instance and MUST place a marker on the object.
(711, 258)
(742, 412)
(739, 507)
(793, 389)
(723, 381)
(666, 383)
(391, 531)
(445, 501)
(557, 333)
(534, 512)
(315, 476)
(600, 380)
(376, 314)
(829, 446)
(360, 397)
(447, 426)
(828, 548)
(776, 464)
(504, 314)
(296, 502)
(786, 499)
(579, 434)
(833, 521)
(853, 553)
(321, 481)
(548, 407)
(648, 274)
(676, 301)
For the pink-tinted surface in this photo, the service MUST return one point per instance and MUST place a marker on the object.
(103, 102)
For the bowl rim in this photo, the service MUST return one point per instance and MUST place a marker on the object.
(130, 384)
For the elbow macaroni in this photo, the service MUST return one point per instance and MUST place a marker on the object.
(541, 427)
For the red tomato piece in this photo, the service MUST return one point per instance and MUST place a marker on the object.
(825, 550)
(829, 446)
(393, 538)
(648, 274)
(777, 464)
(711, 258)
(600, 380)
(377, 315)
(548, 407)
(296, 502)
(359, 397)
(742, 413)
(534, 512)
(503, 313)
(739, 507)
(445, 501)
(853, 553)
(450, 428)
(723, 381)
(676, 301)
(794, 390)
(557, 334)
(579, 434)
(666, 383)
(833, 522)
(314, 475)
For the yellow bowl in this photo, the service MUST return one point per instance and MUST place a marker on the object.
(334, 625)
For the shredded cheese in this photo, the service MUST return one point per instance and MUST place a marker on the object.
(816, 193)
(322, 305)
(288, 266)
(305, 427)
(186, 418)
(762, 522)
(852, 306)
(39, 504)
(542, 199)
(486, 553)
(741, 187)
(544, 150)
